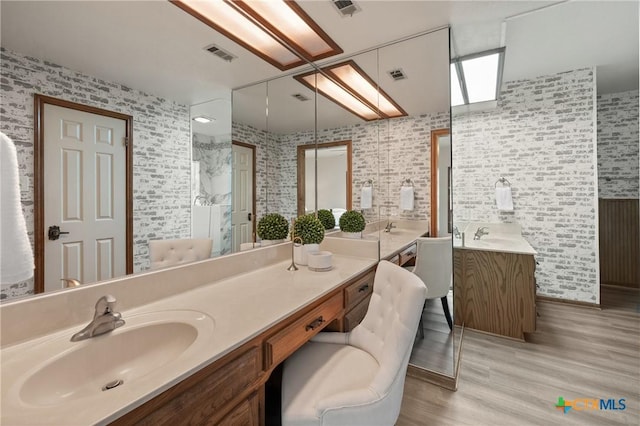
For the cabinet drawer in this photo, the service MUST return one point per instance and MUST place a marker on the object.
(285, 342)
(355, 316)
(408, 255)
(358, 291)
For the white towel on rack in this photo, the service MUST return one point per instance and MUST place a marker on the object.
(504, 201)
(366, 197)
(406, 198)
(16, 256)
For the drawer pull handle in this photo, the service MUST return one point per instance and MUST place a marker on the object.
(363, 287)
(315, 324)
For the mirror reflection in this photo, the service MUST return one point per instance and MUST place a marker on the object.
(331, 163)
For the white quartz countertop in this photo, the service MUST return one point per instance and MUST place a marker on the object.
(504, 238)
(397, 240)
(240, 307)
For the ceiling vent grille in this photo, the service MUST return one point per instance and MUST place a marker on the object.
(300, 97)
(220, 53)
(397, 74)
(346, 7)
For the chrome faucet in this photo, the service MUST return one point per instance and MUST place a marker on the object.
(456, 233)
(104, 320)
(201, 200)
(389, 227)
(480, 232)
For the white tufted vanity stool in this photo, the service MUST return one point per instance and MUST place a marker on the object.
(357, 378)
(165, 253)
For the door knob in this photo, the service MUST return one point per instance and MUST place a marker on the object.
(249, 216)
(55, 232)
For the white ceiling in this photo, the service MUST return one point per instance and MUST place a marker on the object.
(155, 47)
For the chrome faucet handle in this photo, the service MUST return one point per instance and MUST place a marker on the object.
(105, 305)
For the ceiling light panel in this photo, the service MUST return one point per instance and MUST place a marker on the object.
(331, 90)
(290, 23)
(352, 88)
(266, 28)
(354, 77)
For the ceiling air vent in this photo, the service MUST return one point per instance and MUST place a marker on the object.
(397, 74)
(220, 53)
(300, 97)
(346, 7)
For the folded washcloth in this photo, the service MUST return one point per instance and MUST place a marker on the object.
(366, 197)
(16, 256)
(406, 198)
(504, 201)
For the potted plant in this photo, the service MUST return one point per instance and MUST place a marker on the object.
(327, 219)
(272, 229)
(311, 231)
(352, 224)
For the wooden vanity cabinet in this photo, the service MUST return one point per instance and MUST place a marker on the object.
(230, 391)
(495, 292)
(221, 393)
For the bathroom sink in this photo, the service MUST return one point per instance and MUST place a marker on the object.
(145, 345)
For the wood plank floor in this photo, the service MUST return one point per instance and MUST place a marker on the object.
(576, 352)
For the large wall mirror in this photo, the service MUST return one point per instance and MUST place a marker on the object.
(184, 182)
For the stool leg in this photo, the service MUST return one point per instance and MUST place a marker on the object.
(447, 314)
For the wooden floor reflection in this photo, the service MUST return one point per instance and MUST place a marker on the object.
(436, 351)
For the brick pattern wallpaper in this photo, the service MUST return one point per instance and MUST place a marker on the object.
(541, 138)
(161, 140)
(618, 143)
(386, 152)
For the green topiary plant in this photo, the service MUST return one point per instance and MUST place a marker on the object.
(352, 221)
(309, 228)
(327, 219)
(273, 227)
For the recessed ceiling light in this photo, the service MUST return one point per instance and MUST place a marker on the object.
(203, 119)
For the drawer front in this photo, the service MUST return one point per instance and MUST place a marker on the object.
(285, 342)
(355, 316)
(408, 255)
(358, 291)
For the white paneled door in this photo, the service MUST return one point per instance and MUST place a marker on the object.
(242, 215)
(84, 196)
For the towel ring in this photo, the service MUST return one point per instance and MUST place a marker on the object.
(502, 181)
(406, 182)
(367, 183)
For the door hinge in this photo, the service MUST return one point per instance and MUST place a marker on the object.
(125, 141)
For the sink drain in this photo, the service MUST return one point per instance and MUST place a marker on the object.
(113, 384)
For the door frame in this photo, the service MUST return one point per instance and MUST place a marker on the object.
(435, 134)
(255, 219)
(39, 102)
(302, 172)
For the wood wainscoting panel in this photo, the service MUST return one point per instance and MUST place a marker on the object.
(619, 242)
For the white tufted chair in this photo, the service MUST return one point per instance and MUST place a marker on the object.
(165, 253)
(357, 378)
